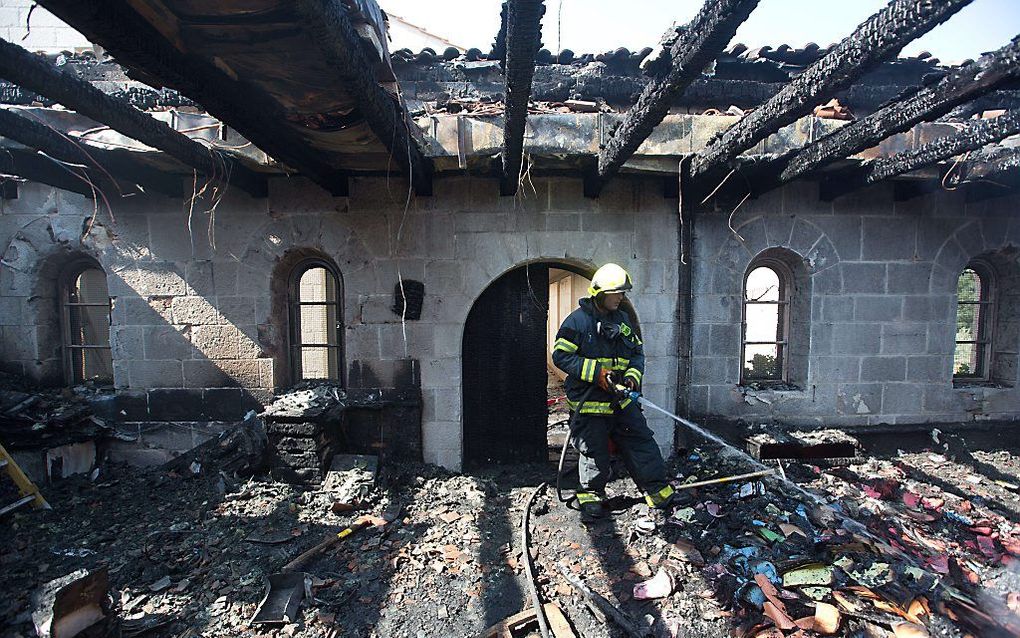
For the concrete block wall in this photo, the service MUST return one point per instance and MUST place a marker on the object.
(195, 321)
(883, 280)
(47, 32)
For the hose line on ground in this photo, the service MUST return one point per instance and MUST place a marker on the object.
(529, 566)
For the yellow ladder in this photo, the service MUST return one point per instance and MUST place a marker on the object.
(29, 492)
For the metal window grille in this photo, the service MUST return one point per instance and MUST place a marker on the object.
(315, 322)
(974, 312)
(85, 325)
(765, 323)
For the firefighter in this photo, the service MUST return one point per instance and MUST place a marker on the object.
(598, 349)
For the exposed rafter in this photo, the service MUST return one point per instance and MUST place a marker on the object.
(36, 74)
(696, 46)
(99, 164)
(878, 38)
(963, 84)
(990, 173)
(971, 138)
(386, 115)
(36, 167)
(523, 39)
(138, 45)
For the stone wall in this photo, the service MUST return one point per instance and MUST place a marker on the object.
(47, 32)
(882, 286)
(195, 321)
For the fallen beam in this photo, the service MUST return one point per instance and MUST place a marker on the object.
(102, 167)
(523, 39)
(35, 73)
(697, 45)
(878, 38)
(962, 85)
(259, 118)
(971, 138)
(386, 115)
(36, 167)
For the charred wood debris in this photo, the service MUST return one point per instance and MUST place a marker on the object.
(209, 544)
(212, 544)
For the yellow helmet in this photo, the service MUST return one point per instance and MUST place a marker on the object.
(610, 278)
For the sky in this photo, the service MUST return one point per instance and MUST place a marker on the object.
(594, 26)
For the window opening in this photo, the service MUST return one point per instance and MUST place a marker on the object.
(315, 322)
(765, 324)
(85, 315)
(973, 314)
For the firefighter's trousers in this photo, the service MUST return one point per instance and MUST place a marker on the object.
(632, 436)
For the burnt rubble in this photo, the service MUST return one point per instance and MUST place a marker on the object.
(920, 542)
(304, 426)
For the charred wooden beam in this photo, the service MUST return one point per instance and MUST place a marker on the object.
(35, 73)
(962, 85)
(499, 45)
(523, 40)
(101, 166)
(878, 38)
(991, 172)
(696, 46)
(386, 114)
(119, 29)
(971, 138)
(36, 167)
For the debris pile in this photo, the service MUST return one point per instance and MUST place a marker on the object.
(782, 566)
(412, 550)
(303, 424)
(32, 419)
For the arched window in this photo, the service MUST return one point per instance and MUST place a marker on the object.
(974, 312)
(766, 322)
(85, 323)
(315, 321)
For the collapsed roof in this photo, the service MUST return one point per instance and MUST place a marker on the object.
(311, 88)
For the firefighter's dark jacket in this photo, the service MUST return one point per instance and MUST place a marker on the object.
(581, 350)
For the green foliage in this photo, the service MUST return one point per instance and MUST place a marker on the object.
(762, 366)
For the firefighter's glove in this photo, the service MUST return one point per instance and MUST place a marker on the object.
(631, 384)
(605, 380)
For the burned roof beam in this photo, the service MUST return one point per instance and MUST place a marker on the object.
(100, 165)
(992, 174)
(971, 138)
(878, 38)
(523, 39)
(36, 74)
(386, 114)
(698, 44)
(136, 44)
(930, 103)
(36, 167)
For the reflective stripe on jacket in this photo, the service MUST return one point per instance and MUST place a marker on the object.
(581, 351)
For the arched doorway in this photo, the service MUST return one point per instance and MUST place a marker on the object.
(505, 357)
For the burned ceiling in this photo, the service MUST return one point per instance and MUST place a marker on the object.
(314, 89)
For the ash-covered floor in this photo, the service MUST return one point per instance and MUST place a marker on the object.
(188, 553)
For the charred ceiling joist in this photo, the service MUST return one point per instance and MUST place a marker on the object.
(118, 28)
(963, 84)
(972, 137)
(696, 46)
(988, 173)
(523, 39)
(36, 74)
(878, 38)
(385, 114)
(99, 165)
(36, 167)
